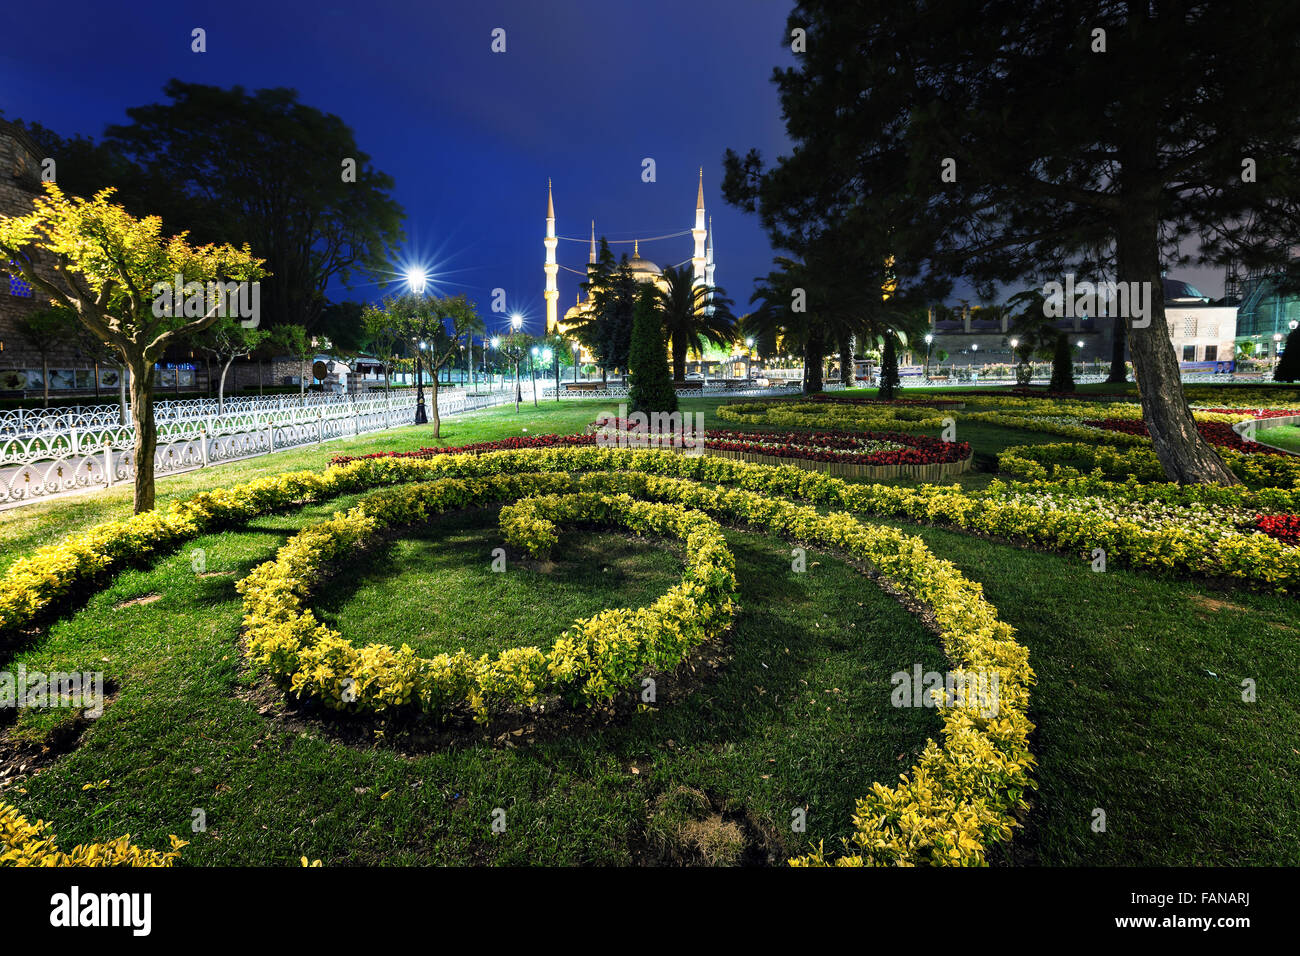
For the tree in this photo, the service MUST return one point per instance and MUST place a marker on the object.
(294, 341)
(226, 340)
(102, 353)
(606, 328)
(439, 325)
(1145, 144)
(1288, 366)
(116, 273)
(44, 330)
(1062, 365)
(514, 347)
(382, 337)
(693, 314)
(650, 384)
(888, 369)
(264, 169)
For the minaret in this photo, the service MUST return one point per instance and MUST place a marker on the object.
(708, 257)
(699, 232)
(552, 268)
(592, 255)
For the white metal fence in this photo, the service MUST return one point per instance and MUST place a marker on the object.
(87, 454)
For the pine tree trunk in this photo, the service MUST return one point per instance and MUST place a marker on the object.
(146, 433)
(1118, 367)
(1186, 457)
(846, 363)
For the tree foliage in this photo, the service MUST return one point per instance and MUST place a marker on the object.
(650, 384)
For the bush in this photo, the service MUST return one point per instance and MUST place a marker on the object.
(1288, 367)
(1062, 366)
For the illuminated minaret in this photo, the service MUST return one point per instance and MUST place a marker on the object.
(552, 268)
(708, 258)
(699, 232)
(592, 256)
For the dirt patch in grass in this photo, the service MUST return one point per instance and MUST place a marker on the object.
(142, 599)
(1214, 605)
(22, 756)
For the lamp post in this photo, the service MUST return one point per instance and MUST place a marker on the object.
(421, 415)
(496, 343)
(577, 353)
(550, 355)
(929, 341)
(1277, 342)
(749, 359)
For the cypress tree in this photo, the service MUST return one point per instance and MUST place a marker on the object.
(650, 384)
(1062, 366)
(1288, 367)
(888, 370)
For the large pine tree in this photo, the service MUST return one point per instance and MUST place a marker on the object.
(1007, 141)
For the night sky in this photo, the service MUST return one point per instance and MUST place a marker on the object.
(584, 92)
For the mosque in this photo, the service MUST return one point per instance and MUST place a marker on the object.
(643, 269)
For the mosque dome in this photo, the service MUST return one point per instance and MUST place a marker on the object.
(640, 265)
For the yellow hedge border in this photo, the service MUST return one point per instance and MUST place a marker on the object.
(590, 662)
(23, 843)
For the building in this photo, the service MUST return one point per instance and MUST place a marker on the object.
(702, 263)
(1201, 332)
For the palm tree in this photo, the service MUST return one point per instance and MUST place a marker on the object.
(693, 314)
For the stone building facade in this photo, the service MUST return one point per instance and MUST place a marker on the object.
(20, 176)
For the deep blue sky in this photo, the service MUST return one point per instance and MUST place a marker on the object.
(583, 93)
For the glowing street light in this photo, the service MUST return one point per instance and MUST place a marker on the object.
(416, 278)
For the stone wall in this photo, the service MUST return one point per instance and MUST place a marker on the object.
(20, 173)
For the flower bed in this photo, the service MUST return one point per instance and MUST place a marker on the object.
(849, 454)
(29, 844)
(590, 662)
(1284, 527)
(960, 797)
(1219, 434)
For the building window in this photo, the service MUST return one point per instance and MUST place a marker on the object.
(18, 285)
(1212, 330)
(1189, 328)
(1189, 353)
(1211, 353)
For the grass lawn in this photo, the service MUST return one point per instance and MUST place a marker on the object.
(1138, 702)
(1286, 437)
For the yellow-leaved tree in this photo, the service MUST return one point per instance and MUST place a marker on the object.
(131, 286)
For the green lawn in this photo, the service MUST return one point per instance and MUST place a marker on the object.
(1138, 702)
(1283, 436)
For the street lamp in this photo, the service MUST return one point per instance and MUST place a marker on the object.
(421, 416)
(496, 344)
(929, 340)
(549, 355)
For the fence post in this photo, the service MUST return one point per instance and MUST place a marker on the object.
(108, 464)
(270, 436)
(320, 426)
(72, 436)
(203, 444)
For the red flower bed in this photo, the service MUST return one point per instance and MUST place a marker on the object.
(1216, 433)
(842, 447)
(1252, 412)
(1285, 528)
